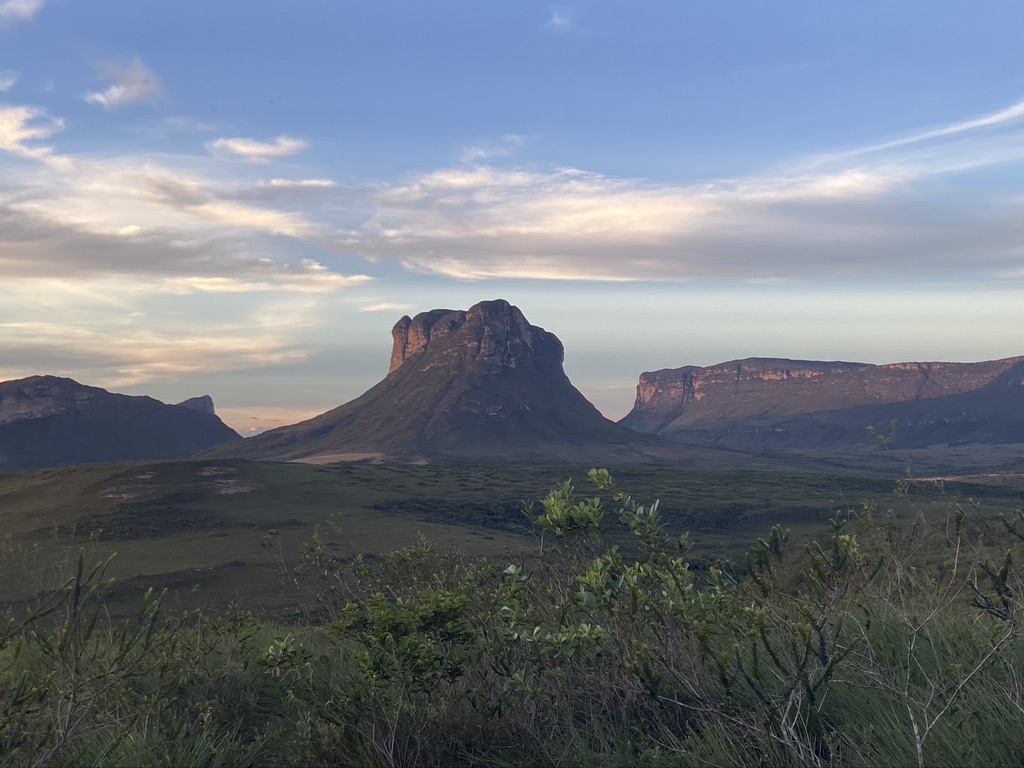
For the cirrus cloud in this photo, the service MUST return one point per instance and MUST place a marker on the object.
(132, 83)
(8, 79)
(259, 151)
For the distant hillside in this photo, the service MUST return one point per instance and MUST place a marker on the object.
(47, 421)
(795, 404)
(462, 385)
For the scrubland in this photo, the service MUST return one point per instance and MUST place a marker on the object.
(880, 630)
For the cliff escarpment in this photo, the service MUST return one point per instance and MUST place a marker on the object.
(760, 402)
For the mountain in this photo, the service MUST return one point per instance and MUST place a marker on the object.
(48, 421)
(797, 404)
(462, 385)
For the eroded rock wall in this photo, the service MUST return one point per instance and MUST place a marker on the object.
(758, 388)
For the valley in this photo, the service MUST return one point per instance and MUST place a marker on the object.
(475, 419)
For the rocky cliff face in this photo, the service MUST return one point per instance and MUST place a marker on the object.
(411, 337)
(461, 384)
(50, 421)
(41, 396)
(762, 400)
(203, 404)
(490, 337)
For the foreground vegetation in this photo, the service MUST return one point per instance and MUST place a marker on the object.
(891, 640)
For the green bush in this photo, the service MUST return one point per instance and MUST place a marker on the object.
(578, 653)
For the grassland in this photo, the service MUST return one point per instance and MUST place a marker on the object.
(199, 528)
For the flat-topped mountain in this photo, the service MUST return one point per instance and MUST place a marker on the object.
(761, 402)
(48, 421)
(481, 383)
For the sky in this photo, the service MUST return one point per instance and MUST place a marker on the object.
(240, 199)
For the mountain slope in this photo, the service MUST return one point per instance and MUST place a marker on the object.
(48, 421)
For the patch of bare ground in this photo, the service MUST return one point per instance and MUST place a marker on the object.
(227, 481)
(339, 458)
(968, 476)
(136, 487)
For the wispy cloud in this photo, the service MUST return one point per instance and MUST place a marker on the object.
(863, 212)
(559, 21)
(8, 79)
(118, 331)
(192, 199)
(259, 151)
(134, 354)
(302, 183)
(569, 224)
(132, 83)
(22, 127)
(304, 196)
(307, 277)
(487, 150)
(134, 216)
(1004, 117)
(19, 10)
(387, 306)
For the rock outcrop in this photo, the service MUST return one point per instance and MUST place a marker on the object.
(48, 421)
(203, 404)
(461, 385)
(771, 403)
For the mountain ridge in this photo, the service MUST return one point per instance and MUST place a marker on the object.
(50, 421)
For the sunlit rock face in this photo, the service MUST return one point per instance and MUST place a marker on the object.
(48, 421)
(770, 401)
(38, 397)
(483, 381)
(489, 337)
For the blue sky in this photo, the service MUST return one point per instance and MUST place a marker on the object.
(241, 199)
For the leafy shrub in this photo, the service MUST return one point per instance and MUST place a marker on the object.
(580, 653)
